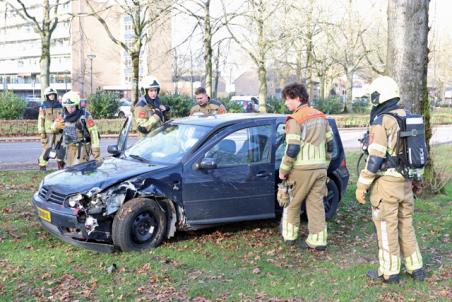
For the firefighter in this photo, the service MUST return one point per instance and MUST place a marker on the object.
(391, 195)
(309, 148)
(48, 112)
(80, 135)
(205, 105)
(149, 112)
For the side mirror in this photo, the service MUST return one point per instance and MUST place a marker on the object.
(207, 163)
(113, 150)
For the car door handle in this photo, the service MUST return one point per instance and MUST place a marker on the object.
(263, 174)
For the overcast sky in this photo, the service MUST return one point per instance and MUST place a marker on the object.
(440, 14)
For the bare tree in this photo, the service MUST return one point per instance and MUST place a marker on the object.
(350, 52)
(145, 14)
(254, 37)
(43, 25)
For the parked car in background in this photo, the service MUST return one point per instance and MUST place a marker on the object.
(124, 108)
(31, 111)
(188, 174)
(249, 103)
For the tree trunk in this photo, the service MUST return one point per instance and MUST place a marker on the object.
(217, 71)
(348, 91)
(262, 88)
(135, 57)
(45, 62)
(309, 49)
(298, 67)
(261, 59)
(208, 48)
(322, 85)
(408, 61)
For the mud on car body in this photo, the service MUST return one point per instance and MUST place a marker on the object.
(188, 174)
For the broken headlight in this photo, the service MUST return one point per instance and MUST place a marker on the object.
(74, 200)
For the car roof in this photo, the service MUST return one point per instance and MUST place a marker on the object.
(228, 118)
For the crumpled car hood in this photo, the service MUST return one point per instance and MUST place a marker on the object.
(81, 178)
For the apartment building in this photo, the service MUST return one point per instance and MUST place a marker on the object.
(20, 51)
(83, 57)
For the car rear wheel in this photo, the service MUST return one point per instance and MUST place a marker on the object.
(121, 114)
(139, 224)
(331, 201)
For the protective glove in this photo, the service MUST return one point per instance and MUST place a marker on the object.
(96, 153)
(282, 196)
(142, 130)
(285, 193)
(59, 124)
(43, 138)
(360, 194)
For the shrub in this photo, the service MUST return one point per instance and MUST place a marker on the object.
(180, 104)
(103, 104)
(11, 106)
(232, 107)
(329, 105)
(361, 105)
(275, 105)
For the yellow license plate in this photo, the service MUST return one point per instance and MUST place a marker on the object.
(44, 214)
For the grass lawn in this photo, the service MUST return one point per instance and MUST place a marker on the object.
(239, 262)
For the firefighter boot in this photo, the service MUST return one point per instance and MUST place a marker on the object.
(60, 165)
(374, 276)
(418, 275)
(305, 246)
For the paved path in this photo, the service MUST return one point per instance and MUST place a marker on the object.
(22, 153)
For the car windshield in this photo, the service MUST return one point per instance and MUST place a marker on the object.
(167, 144)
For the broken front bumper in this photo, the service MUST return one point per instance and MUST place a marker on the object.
(63, 223)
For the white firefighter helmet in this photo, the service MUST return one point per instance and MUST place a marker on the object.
(71, 98)
(49, 90)
(149, 82)
(383, 89)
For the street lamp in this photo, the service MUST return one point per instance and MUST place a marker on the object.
(91, 57)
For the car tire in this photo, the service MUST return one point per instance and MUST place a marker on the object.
(331, 201)
(121, 114)
(139, 224)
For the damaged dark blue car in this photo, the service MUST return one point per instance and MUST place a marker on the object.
(188, 174)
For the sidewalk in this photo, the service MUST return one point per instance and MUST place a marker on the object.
(7, 139)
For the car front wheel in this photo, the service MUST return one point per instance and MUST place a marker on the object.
(139, 224)
(121, 114)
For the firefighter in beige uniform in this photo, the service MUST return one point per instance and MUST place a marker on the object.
(391, 195)
(309, 145)
(149, 112)
(205, 105)
(49, 111)
(80, 135)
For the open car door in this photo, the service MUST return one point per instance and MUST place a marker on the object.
(121, 145)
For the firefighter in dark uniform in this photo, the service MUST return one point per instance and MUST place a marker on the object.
(149, 112)
(391, 195)
(205, 105)
(80, 135)
(310, 146)
(49, 111)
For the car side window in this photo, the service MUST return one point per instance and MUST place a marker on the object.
(245, 146)
(280, 141)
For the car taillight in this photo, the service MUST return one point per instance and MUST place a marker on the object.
(344, 163)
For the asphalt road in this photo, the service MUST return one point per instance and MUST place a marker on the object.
(24, 154)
